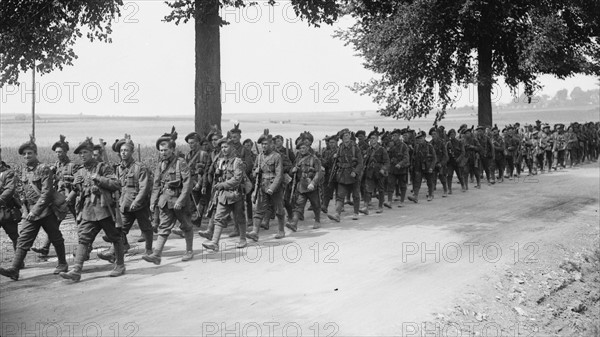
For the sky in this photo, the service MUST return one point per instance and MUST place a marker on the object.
(270, 62)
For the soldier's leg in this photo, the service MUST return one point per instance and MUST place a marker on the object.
(430, 179)
(86, 233)
(277, 200)
(287, 201)
(167, 220)
(450, 175)
(50, 224)
(221, 214)
(238, 211)
(260, 215)
(380, 189)
(465, 177)
(327, 195)
(184, 217)
(115, 235)
(315, 201)
(417, 178)
(340, 197)
(29, 232)
(391, 187)
(369, 189)
(442, 177)
(356, 197)
(403, 182)
(301, 200)
(248, 218)
(143, 219)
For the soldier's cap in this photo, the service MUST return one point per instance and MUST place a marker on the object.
(61, 143)
(360, 132)
(248, 140)
(263, 137)
(30, 144)
(344, 131)
(332, 137)
(278, 137)
(534, 133)
(236, 129)
(306, 135)
(451, 131)
(421, 134)
(495, 128)
(99, 146)
(465, 130)
(538, 122)
(167, 137)
(375, 132)
(214, 131)
(480, 127)
(432, 130)
(126, 140)
(559, 126)
(299, 145)
(462, 128)
(87, 144)
(517, 124)
(223, 140)
(509, 127)
(396, 131)
(194, 135)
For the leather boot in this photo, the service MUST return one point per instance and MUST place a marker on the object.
(155, 257)
(255, 229)
(317, 223)
(75, 273)
(119, 250)
(189, 246)
(242, 243)
(265, 223)
(148, 235)
(214, 243)
(293, 225)
(281, 225)
(13, 272)
(108, 255)
(62, 260)
(414, 198)
(44, 250)
(208, 233)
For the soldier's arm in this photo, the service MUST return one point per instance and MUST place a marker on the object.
(144, 185)
(278, 173)
(238, 173)
(8, 187)
(358, 169)
(46, 190)
(318, 174)
(107, 179)
(155, 187)
(248, 161)
(186, 183)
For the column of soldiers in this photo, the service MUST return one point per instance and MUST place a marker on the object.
(223, 181)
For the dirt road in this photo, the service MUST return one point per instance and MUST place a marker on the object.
(385, 274)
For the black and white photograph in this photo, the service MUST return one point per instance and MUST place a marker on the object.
(413, 168)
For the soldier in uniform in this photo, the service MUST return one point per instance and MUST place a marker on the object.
(198, 161)
(441, 166)
(307, 174)
(424, 160)
(399, 164)
(513, 147)
(456, 156)
(328, 163)
(235, 135)
(171, 194)
(268, 171)
(349, 162)
(545, 148)
(10, 205)
(95, 182)
(38, 191)
(229, 194)
(134, 201)
(487, 155)
(560, 144)
(64, 171)
(377, 166)
(499, 151)
(287, 159)
(472, 150)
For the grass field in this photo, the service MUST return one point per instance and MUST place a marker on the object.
(145, 131)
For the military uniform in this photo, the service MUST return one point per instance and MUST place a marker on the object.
(287, 159)
(398, 174)
(560, 144)
(499, 158)
(487, 156)
(10, 212)
(456, 159)
(270, 168)
(95, 182)
(377, 165)
(308, 173)
(472, 153)
(546, 141)
(441, 166)
(513, 148)
(349, 168)
(247, 158)
(329, 184)
(424, 160)
(229, 199)
(198, 161)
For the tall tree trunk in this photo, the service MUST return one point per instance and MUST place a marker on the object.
(207, 95)
(484, 81)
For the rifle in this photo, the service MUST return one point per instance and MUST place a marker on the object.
(334, 168)
(256, 193)
(115, 212)
(212, 205)
(319, 148)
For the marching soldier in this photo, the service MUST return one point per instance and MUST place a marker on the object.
(377, 165)
(306, 176)
(349, 167)
(198, 161)
(38, 200)
(546, 144)
(228, 195)
(171, 194)
(95, 182)
(487, 155)
(499, 151)
(328, 161)
(441, 166)
(399, 164)
(10, 205)
(472, 151)
(64, 171)
(456, 159)
(268, 171)
(560, 144)
(513, 149)
(134, 203)
(235, 135)
(424, 161)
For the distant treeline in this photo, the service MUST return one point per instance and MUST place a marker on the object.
(562, 98)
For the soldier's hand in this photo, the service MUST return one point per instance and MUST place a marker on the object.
(294, 170)
(95, 177)
(29, 216)
(134, 206)
(353, 174)
(178, 206)
(335, 155)
(311, 187)
(95, 189)
(269, 191)
(196, 188)
(203, 191)
(78, 180)
(382, 172)
(398, 166)
(219, 186)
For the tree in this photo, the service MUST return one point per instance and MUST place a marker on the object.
(42, 33)
(207, 93)
(423, 48)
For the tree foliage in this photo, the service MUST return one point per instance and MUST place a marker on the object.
(420, 49)
(42, 33)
